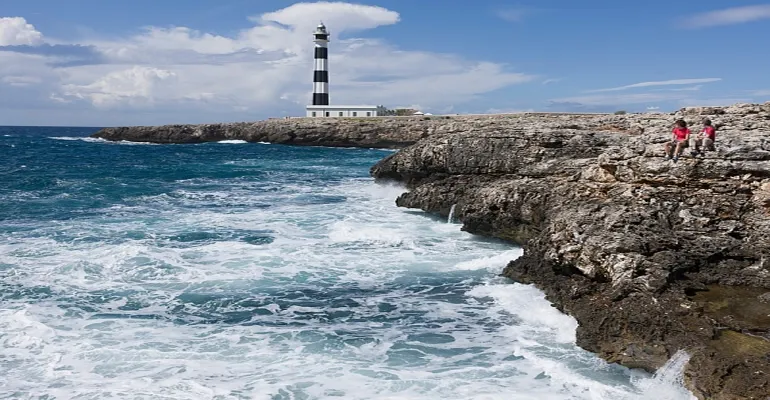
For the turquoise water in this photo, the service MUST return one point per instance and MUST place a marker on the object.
(257, 271)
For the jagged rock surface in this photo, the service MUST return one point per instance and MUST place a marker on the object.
(650, 256)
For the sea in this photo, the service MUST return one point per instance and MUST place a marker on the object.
(238, 270)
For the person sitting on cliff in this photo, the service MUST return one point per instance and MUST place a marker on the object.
(705, 139)
(679, 141)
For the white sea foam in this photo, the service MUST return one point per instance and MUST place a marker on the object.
(100, 140)
(354, 299)
(232, 142)
(79, 138)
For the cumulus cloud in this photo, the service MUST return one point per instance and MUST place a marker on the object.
(343, 16)
(135, 86)
(16, 31)
(260, 71)
(658, 83)
(729, 16)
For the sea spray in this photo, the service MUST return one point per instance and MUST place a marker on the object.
(451, 218)
(668, 381)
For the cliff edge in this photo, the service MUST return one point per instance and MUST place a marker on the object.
(650, 256)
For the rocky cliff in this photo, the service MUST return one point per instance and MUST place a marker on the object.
(650, 256)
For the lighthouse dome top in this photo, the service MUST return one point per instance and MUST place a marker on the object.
(321, 27)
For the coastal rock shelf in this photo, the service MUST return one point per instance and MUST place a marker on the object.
(380, 132)
(650, 256)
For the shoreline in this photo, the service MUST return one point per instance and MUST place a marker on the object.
(650, 256)
(392, 132)
(644, 253)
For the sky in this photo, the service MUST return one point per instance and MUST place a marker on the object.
(148, 62)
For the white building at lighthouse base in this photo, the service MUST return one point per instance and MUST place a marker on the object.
(331, 111)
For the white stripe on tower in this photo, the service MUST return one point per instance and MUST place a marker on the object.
(321, 73)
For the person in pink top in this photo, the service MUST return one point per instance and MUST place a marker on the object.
(679, 141)
(705, 139)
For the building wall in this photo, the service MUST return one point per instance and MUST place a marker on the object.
(336, 112)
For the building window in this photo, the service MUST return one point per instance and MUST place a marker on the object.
(314, 113)
(368, 113)
(327, 113)
(340, 113)
(355, 114)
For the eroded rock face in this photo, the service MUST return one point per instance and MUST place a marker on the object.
(619, 237)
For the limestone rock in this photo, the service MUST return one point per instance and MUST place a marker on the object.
(616, 235)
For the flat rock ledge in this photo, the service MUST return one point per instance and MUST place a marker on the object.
(650, 256)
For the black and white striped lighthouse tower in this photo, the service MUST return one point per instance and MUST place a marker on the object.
(321, 74)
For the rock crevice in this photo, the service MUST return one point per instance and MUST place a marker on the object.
(650, 256)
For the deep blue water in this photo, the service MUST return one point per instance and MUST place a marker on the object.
(234, 271)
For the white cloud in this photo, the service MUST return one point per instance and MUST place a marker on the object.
(659, 83)
(653, 108)
(761, 92)
(338, 16)
(21, 70)
(170, 39)
(16, 31)
(687, 89)
(729, 16)
(264, 70)
(134, 86)
(551, 80)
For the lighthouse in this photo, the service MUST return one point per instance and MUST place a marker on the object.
(321, 72)
(320, 106)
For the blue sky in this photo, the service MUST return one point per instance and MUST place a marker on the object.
(99, 63)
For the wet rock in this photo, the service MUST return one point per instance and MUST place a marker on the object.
(650, 256)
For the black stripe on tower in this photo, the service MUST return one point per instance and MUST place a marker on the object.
(321, 52)
(321, 76)
(320, 99)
